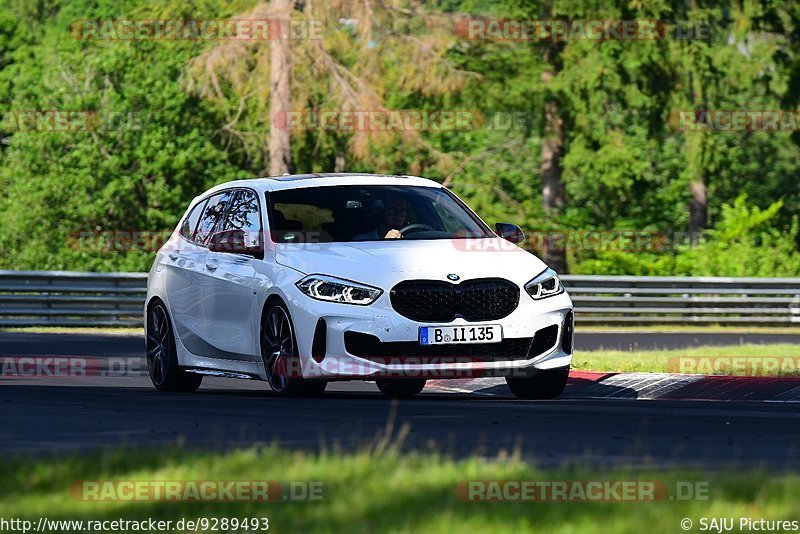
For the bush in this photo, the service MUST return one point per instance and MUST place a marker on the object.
(744, 242)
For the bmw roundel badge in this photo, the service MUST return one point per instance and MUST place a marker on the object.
(453, 277)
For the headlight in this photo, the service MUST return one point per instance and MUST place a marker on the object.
(331, 289)
(545, 285)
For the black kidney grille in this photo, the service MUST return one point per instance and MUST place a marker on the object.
(484, 299)
(425, 300)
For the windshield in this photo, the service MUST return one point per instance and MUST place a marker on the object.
(348, 213)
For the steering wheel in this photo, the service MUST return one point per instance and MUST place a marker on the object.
(416, 227)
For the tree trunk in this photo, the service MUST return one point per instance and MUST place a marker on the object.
(340, 163)
(695, 167)
(698, 209)
(552, 187)
(280, 154)
(698, 203)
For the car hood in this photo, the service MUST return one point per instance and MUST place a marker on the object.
(375, 261)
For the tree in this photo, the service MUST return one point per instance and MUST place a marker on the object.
(368, 53)
(280, 153)
(553, 149)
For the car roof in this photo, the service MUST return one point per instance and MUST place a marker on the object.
(297, 181)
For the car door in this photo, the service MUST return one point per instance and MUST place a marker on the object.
(186, 300)
(183, 261)
(228, 287)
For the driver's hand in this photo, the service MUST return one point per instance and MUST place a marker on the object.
(393, 234)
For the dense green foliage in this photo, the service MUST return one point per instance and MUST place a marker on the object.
(625, 164)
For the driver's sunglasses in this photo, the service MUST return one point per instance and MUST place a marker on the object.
(397, 211)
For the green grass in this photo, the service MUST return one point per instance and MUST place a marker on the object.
(663, 361)
(381, 490)
(103, 331)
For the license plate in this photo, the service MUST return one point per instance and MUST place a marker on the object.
(450, 335)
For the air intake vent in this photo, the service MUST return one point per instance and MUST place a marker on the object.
(320, 342)
(569, 333)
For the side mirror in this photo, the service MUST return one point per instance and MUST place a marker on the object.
(232, 241)
(509, 232)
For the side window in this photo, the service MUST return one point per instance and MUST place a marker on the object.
(212, 216)
(245, 215)
(190, 223)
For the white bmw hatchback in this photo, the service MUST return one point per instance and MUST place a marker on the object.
(301, 280)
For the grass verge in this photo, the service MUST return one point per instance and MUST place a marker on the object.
(741, 360)
(98, 331)
(688, 329)
(383, 491)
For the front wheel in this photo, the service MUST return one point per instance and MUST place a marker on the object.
(162, 358)
(544, 385)
(401, 388)
(280, 355)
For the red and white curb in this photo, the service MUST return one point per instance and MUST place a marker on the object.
(645, 386)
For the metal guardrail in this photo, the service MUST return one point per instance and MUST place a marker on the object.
(65, 298)
(685, 300)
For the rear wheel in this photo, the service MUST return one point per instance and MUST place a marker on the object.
(545, 384)
(401, 388)
(280, 355)
(162, 358)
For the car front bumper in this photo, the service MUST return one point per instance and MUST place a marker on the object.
(327, 356)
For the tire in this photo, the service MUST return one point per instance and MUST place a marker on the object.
(544, 385)
(402, 388)
(280, 356)
(162, 358)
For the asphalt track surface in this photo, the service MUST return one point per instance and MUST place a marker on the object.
(56, 416)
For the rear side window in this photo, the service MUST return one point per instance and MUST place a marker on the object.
(211, 220)
(245, 215)
(190, 223)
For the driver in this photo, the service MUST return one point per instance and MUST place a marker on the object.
(394, 217)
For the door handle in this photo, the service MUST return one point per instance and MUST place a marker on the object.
(212, 265)
(173, 256)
